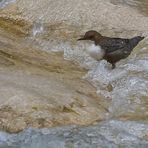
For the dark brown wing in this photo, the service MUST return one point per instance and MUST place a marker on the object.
(113, 44)
(117, 55)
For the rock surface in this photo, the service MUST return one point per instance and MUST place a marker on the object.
(112, 134)
(40, 89)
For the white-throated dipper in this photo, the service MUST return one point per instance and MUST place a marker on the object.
(110, 49)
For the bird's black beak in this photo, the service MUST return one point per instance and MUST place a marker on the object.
(82, 38)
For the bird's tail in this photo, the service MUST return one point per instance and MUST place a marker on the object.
(134, 41)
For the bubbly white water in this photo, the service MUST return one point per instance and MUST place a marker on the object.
(125, 84)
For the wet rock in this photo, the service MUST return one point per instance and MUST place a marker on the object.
(39, 88)
(112, 134)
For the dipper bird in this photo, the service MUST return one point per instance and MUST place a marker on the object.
(110, 49)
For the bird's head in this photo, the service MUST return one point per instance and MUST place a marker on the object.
(91, 35)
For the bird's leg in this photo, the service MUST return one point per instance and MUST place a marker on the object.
(113, 65)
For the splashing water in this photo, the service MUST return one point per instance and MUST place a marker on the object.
(4, 3)
(126, 85)
(38, 28)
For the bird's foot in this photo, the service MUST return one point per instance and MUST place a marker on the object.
(113, 66)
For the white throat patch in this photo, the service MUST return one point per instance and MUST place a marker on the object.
(95, 52)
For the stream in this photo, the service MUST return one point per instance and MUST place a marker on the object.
(125, 121)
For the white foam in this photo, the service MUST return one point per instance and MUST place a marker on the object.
(37, 28)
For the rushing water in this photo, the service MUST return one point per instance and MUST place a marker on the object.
(126, 87)
(3, 3)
